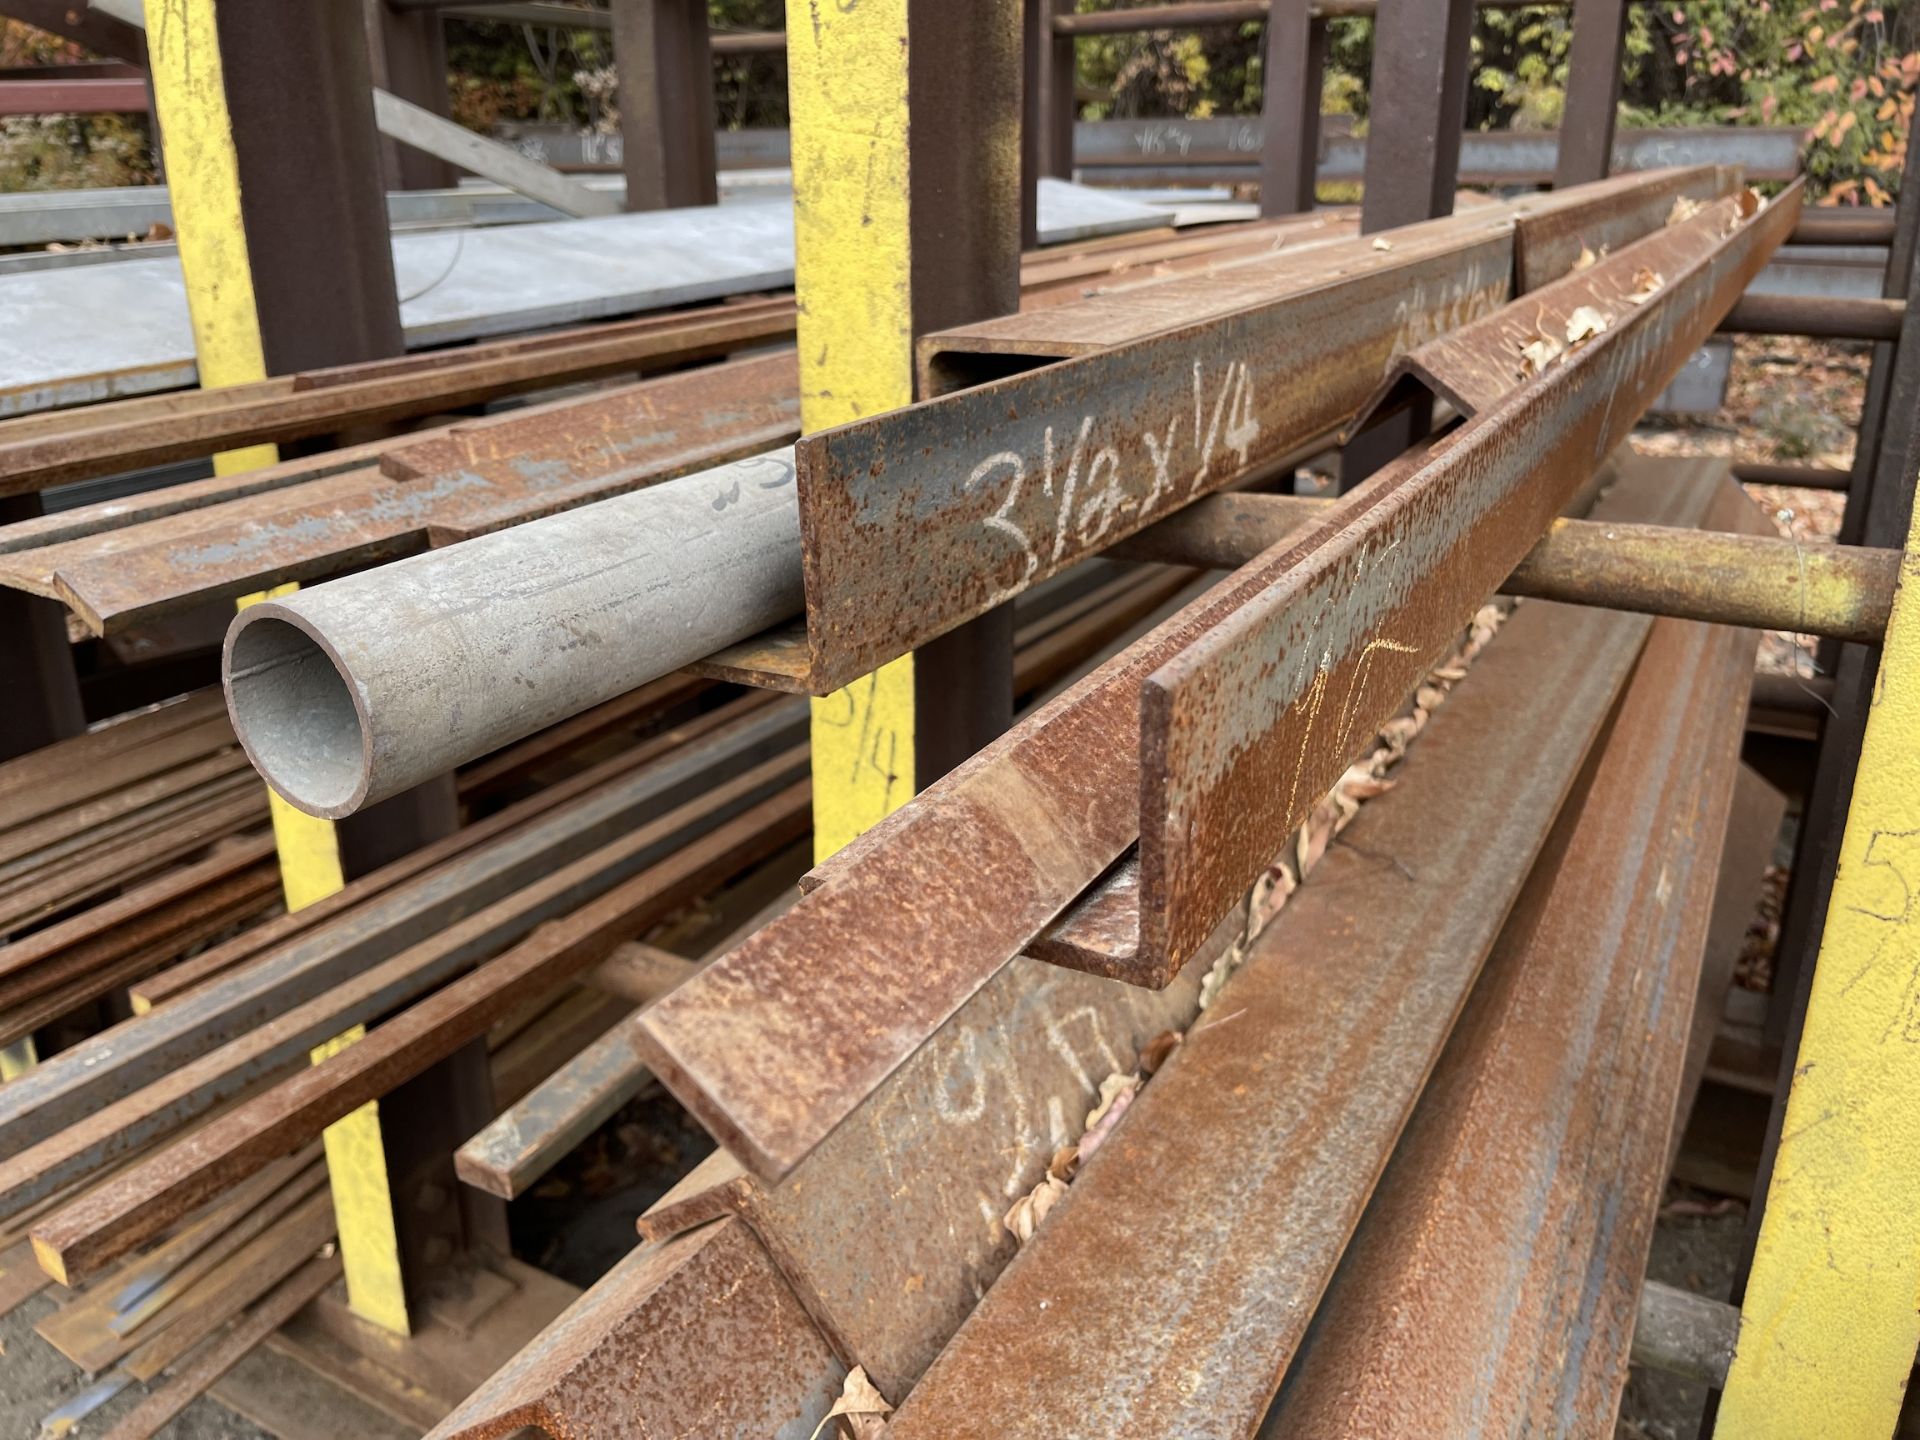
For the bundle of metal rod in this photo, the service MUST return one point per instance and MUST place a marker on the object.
(121, 805)
(329, 696)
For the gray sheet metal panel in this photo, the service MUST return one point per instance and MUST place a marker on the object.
(104, 331)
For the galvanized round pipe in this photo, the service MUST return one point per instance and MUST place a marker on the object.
(357, 689)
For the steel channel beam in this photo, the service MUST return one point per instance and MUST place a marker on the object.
(1245, 729)
(1190, 1252)
(1841, 591)
(1509, 1308)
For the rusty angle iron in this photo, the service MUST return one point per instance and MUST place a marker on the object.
(919, 519)
(899, 934)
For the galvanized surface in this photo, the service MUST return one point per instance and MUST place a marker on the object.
(696, 1337)
(473, 479)
(1167, 1292)
(1243, 730)
(1490, 1288)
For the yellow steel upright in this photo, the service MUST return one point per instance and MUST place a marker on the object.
(901, 226)
(1831, 1316)
(203, 173)
(847, 96)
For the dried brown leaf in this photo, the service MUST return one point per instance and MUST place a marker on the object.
(1685, 207)
(1646, 285)
(1584, 260)
(1111, 1089)
(1380, 242)
(1539, 353)
(1158, 1050)
(1583, 324)
(1097, 1134)
(860, 1404)
(1026, 1213)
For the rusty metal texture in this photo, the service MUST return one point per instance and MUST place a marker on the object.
(1550, 239)
(1166, 392)
(891, 1230)
(658, 867)
(1466, 1308)
(60, 1096)
(917, 520)
(1244, 729)
(55, 448)
(696, 1337)
(443, 487)
(1829, 316)
(1166, 1293)
(1842, 591)
(1475, 367)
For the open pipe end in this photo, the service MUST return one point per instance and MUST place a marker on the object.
(296, 712)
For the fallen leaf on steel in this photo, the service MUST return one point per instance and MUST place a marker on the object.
(1584, 260)
(1065, 1163)
(1111, 1089)
(1380, 242)
(1685, 207)
(1583, 324)
(1096, 1135)
(1030, 1209)
(1158, 1050)
(1646, 285)
(860, 1404)
(1537, 354)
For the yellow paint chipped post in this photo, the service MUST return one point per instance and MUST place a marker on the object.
(203, 173)
(1831, 1318)
(847, 95)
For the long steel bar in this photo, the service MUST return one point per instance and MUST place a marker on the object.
(1842, 591)
(1819, 316)
(1239, 1171)
(1509, 1308)
(1351, 613)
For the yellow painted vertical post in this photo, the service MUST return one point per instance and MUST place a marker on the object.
(203, 173)
(847, 96)
(18, 1058)
(1831, 1317)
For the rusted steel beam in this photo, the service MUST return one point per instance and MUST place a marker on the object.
(1821, 316)
(1243, 1165)
(1004, 483)
(1844, 227)
(37, 451)
(699, 1336)
(1509, 1308)
(1842, 591)
(79, 1238)
(1242, 731)
(77, 1084)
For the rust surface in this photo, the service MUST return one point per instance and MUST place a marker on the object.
(696, 1337)
(443, 487)
(1244, 729)
(917, 520)
(1491, 1288)
(891, 1230)
(37, 451)
(1167, 1292)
